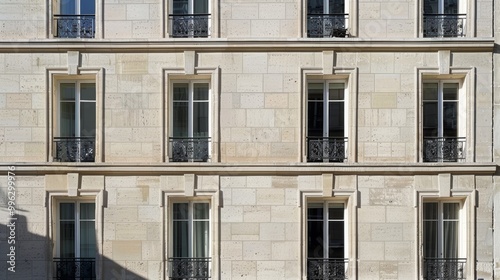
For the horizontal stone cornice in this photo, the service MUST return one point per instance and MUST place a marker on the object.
(222, 45)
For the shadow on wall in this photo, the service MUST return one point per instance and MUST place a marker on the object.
(26, 252)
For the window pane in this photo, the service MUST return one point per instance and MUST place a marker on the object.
(180, 211)
(87, 7)
(87, 211)
(87, 91)
(450, 119)
(315, 91)
(431, 211)
(315, 211)
(336, 91)
(335, 211)
(201, 239)
(200, 6)
(336, 6)
(431, 7)
(201, 210)
(67, 122)
(67, 211)
(430, 91)
(87, 119)
(180, 6)
(67, 239)
(180, 119)
(87, 239)
(451, 211)
(336, 119)
(315, 119)
(181, 92)
(68, 91)
(336, 239)
(450, 91)
(180, 239)
(200, 92)
(430, 124)
(450, 239)
(430, 239)
(450, 7)
(68, 7)
(200, 119)
(315, 239)
(315, 7)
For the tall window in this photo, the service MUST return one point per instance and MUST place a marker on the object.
(190, 121)
(190, 18)
(76, 240)
(326, 122)
(441, 122)
(442, 238)
(190, 256)
(75, 19)
(327, 18)
(326, 246)
(76, 122)
(444, 18)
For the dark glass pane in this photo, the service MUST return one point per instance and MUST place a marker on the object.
(201, 239)
(430, 123)
(67, 211)
(315, 239)
(335, 93)
(68, 91)
(200, 119)
(335, 211)
(201, 210)
(336, 6)
(67, 119)
(430, 239)
(181, 92)
(87, 211)
(87, 7)
(315, 211)
(87, 91)
(180, 240)
(315, 119)
(336, 239)
(180, 119)
(315, 92)
(87, 239)
(430, 211)
(450, 7)
(431, 7)
(451, 211)
(450, 119)
(315, 7)
(87, 118)
(200, 6)
(200, 92)
(180, 6)
(180, 211)
(67, 239)
(450, 91)
(336, 119)
(431, 91)
(68, 7)
(450, 239)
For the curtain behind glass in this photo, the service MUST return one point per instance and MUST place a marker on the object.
(67, 230)
(315, 110)
(430, 230)
(180, 110)
(180, 230)
(450, 229)
(201, 230)
(315, 239)
(200, 110)
(200, 6)
(87, 230)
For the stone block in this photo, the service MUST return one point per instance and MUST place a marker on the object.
(398, 251)
(386, 232)
(256, 214)
(371, 251)
(127, 250)
(243, 197)
(272, 231)
(131, 231)
(231, 250)
(257, 250)
(243, 270)
(270, 197)
(270, 269)
(249, 83)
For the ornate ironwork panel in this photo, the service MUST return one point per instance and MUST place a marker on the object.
(190, 25)
(439, 149)
(74, 149)
(326, 149)
(326, 25)
(449, 269)
(75, 26)
(189, 149)
(74, 268)
(444, 25)
(326, 269)
(189, 268)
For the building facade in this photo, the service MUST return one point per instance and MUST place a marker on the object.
(277, 139)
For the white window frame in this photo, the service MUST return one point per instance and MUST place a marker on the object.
(351, 21)
(191, 12)
(55, 9)
(464, 7)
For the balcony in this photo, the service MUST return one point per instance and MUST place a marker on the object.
(189, 149)
(449, 269)
(74, 149)
(74, 268)
(75, 26)
(322, 269)
(444, 149)
(327, 25)
(444, 25)
(189, 25)
(189, 268)
(326, 149)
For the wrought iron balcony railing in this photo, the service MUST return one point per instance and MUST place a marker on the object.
(444, 25)
(74, 149)
(444, 149)
(449, 269)
(189, 149)
(190, 25)
(327, 25)
(189, 268)
(326, 149)
(326, 269)
(75, 26)
(74, 268)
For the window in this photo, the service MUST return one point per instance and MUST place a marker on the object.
(327, 18)
(326, 121)
(443, 127)
(76, 242)
(326, 244)
(190, 18)
(190, 250)
(444, 257)
(444, 18)
(76, 122)
(74, 18)
(190, 122)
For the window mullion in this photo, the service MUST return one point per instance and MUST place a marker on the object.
(440, 110)
(77, 230)
(77, 109)
(190, 229)
(325, 110)
(440, 229)
(326, 241)
(190, 108)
